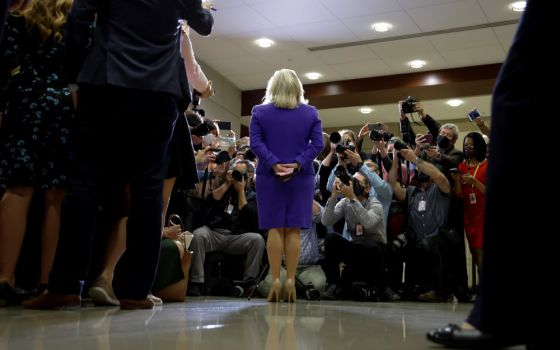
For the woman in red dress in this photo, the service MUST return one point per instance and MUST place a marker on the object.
(470, 184)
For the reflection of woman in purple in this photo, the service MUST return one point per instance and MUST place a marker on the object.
(286, 135)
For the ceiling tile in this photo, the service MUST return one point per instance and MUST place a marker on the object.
(361, 26)
(449, 15)
(505, 34)
(353, 70)
(226, 21)
(292, 12)
(406, 49)
(354, 8)
(498, 10)
(410, 4)
(282, 42)
(345, 54)
(322, 33)
(223, 4)
(474, 56)
(237, 65)
(215, 46)
(463, 40)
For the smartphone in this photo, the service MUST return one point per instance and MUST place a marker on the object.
(224, 125)
(429, 138)
(375, 126)
(472, 115)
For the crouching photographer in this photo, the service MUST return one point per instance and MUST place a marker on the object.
(363, 243)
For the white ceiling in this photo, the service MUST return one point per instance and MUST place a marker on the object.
(298, 25)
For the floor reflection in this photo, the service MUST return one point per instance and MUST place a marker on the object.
(212, 323)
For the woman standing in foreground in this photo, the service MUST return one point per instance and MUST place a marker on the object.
(286, 135)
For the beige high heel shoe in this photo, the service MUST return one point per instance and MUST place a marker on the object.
(275, 290)
(290, 291)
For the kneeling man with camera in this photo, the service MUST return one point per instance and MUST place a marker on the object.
(364, 250)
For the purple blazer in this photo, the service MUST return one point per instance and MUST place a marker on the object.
(280, 135)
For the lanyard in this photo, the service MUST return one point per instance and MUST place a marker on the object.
(475, 171)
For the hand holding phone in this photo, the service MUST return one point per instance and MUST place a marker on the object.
(472, 115)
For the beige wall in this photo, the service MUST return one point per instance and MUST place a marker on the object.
(226, 103)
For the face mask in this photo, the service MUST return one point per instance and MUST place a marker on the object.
(443, 142)
(208, 139)
(468, 153)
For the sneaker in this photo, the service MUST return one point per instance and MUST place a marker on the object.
(331, 293)
(157, 301)
(49, 301)
(102, 294)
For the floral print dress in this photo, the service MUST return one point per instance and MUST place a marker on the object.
(36, 106)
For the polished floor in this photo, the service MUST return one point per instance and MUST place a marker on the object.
(227, 323)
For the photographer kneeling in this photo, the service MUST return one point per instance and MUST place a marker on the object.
(364, 251)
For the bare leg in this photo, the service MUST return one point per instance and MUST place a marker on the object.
(477, 255)
(275, 250)
(292, 248)
(49, 231)
(13, 221)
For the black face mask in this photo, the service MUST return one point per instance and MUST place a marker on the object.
(468, 153)
(443, 142)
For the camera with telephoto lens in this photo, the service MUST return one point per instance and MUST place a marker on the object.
(341, 173)
(377, 133)
(399, 145)
(408, 105)
(222, 157)
(238, 176)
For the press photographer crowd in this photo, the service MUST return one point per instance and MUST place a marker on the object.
(388, 223)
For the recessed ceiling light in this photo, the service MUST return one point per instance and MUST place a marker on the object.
(264, 42)
(381, 26)
(416, 64)
(455, 102)
(518, 6)
(366, 110)
(313, 75)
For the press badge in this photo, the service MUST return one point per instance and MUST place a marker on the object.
(229, 209)
(472, 198)
(359, 230)
(422, 205)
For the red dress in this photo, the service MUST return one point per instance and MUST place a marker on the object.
(474, 201)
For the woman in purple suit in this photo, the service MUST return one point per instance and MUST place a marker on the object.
(286, 135)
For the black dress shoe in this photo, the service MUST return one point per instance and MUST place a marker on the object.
(454, 337)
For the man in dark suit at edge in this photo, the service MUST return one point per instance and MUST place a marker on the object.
(128, 80)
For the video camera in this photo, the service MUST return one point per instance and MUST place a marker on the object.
(408, 105)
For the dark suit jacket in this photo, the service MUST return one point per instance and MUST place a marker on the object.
(135, 42)
(4, 4)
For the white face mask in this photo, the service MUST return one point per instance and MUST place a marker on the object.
(208, 139)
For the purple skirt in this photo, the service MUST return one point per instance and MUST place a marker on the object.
(285, 204)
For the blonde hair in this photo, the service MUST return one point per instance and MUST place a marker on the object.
(49, 17)
(284, 89)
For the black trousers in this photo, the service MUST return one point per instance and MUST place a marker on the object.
(519, 249)
(367, 259)
(121, 136)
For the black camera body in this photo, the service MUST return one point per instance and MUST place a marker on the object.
(408, 105)
(362, 292)
(341, 173)
(222, 157)
(238, 176)
(399, 242)
(200, 130)
(399, 145)
(342, 148)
